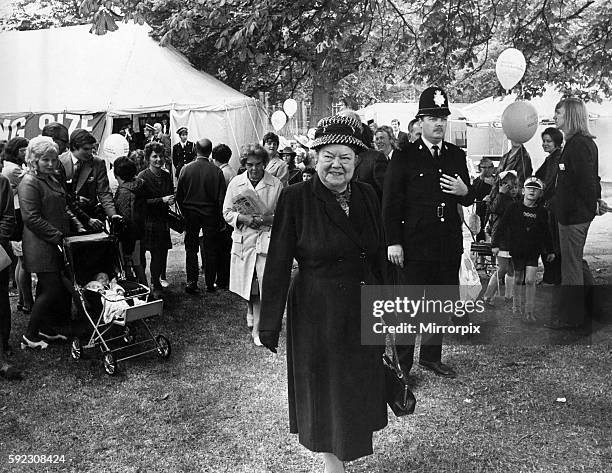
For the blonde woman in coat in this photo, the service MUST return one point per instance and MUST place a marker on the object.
(251, 235)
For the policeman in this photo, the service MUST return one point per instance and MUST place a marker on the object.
(423, 185)
(183, 152)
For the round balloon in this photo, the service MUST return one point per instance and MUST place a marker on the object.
(278, 120)
(114, 147)
(290, 107)
(520, 121)
(510, 67)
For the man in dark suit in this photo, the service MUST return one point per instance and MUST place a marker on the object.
(183, 152)
(199, 194)
(423, 185)
(87, 179)
(370, 165)
(401, 137)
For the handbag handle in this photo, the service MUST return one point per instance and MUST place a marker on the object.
(395, 357)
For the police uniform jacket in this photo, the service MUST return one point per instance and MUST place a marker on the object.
(416, 213)
(182, 155)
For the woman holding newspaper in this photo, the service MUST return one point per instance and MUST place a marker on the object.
(249, 207)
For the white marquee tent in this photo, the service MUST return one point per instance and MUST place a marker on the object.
(69, 71)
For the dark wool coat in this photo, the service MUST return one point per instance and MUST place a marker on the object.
(45, 221)
(417, 214)
(336, 385)
(371, 168)
(578, 186)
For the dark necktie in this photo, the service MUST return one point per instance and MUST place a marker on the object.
(75, 171)
(435, 149)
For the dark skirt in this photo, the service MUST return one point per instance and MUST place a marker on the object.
(156, 234)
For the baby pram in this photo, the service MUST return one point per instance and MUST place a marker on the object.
(87, 255)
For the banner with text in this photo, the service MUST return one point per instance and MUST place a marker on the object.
(29, 126)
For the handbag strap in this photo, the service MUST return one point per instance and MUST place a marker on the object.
(394, 354)
(395, 360)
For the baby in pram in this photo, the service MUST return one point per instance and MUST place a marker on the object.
(114, 304)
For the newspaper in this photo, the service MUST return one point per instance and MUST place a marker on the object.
(248, 203)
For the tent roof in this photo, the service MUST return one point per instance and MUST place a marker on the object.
(123, 72)
(490, 109)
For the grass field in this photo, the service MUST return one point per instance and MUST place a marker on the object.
(219, 403)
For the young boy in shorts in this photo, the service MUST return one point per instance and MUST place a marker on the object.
(524, 228)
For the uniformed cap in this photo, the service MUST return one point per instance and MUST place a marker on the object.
(433, 103)
(534, 183)
(338, 130)
(182, 130)
(288, 150)
(149, 127)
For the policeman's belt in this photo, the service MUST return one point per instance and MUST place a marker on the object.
(438, 209)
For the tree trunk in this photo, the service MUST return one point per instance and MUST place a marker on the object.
(321, 101)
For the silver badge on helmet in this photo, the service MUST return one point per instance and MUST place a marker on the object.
(439, 98)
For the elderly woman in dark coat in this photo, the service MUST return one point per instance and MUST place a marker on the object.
(46, 220)
(333, 228)
(159, 194)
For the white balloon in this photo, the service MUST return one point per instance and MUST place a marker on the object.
(520, 121)
(510, 67)
(278, 120)
(290, 107)
(115, 146)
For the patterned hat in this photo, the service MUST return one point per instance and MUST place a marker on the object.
(149, 127)
(534, 182)
(433, 103)
(338, 130)
(182, 130)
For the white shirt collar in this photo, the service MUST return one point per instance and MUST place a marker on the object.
(430, 145)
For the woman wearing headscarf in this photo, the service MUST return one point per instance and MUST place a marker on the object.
(333, 228)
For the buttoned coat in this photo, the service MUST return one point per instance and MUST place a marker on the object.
(336, 384)
(45, 221)
(416, 213)
(92, 183)
(249, 245)
(182, 155)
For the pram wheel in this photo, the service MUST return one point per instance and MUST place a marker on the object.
(163, 346)
(110, 364)
(75, 348)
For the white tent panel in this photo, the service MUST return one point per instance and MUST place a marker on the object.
(124, 72)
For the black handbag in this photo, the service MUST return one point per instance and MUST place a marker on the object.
(399, 396)
(176, 221)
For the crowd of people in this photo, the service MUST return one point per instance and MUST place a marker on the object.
(364, 205)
